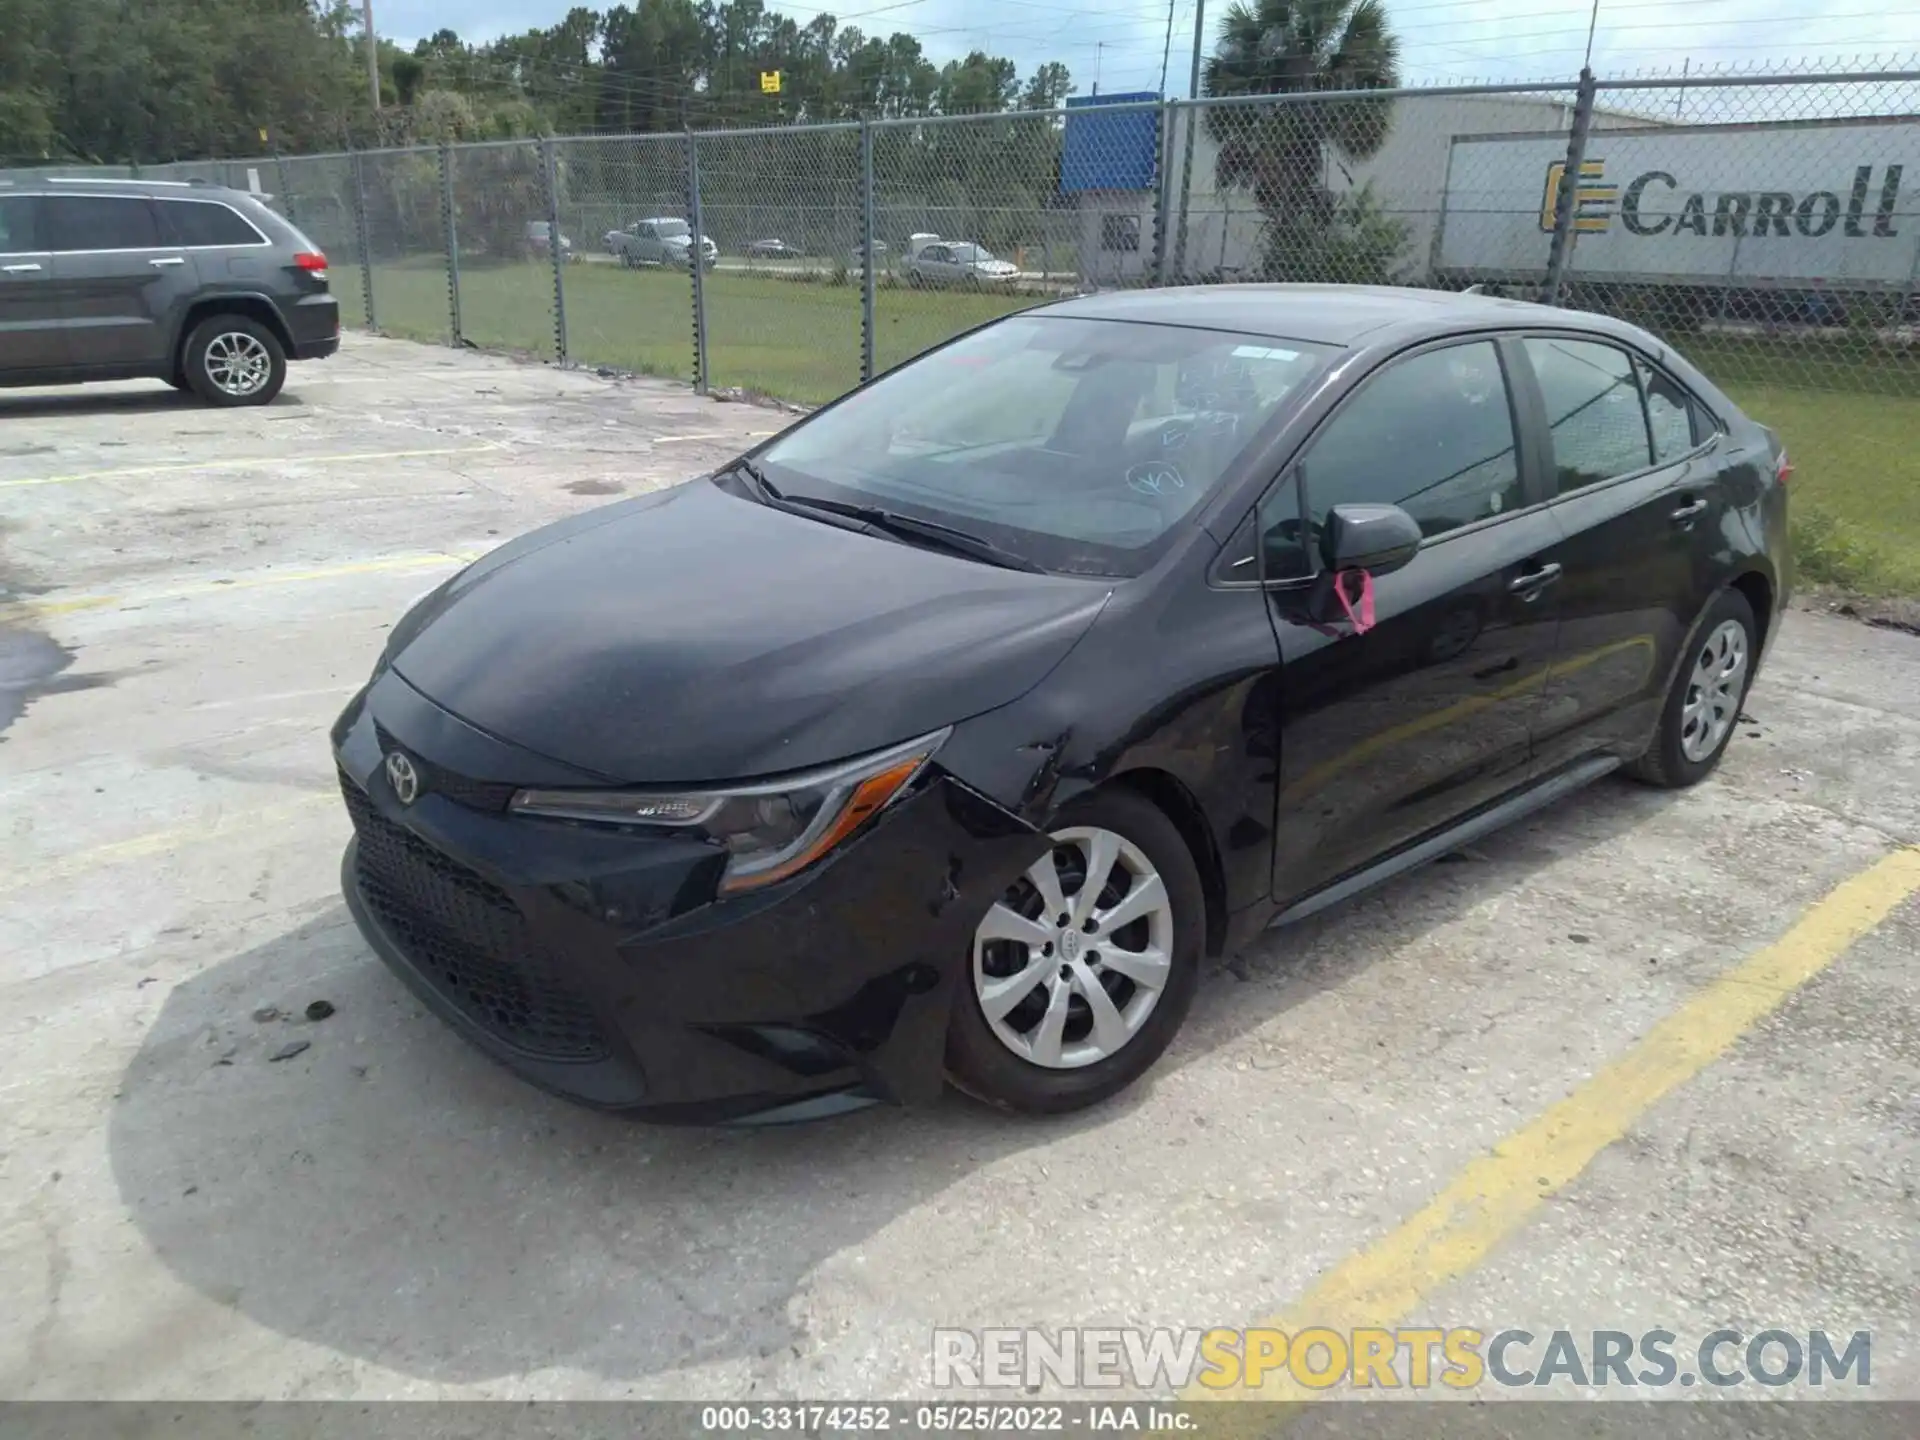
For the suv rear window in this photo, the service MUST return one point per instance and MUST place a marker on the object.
(205, 222)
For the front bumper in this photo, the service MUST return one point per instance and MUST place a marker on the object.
(592, 962)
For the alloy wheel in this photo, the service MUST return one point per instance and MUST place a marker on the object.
(1715, 688)
(1073, 958)
(238, 364)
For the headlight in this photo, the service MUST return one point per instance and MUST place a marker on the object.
(771, 830)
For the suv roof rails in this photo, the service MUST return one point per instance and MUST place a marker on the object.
(113, 180)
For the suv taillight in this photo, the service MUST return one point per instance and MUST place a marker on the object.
(310, 261)
(1782, 467)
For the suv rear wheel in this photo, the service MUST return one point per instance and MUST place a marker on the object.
(234, 360)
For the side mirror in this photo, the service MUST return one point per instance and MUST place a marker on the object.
(1375, 538)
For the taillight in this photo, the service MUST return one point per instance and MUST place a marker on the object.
(1782, 468)
(311, 262)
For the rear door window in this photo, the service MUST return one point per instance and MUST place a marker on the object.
(17, 224)
(98, 222)
(1670, 414)
(1594, 414)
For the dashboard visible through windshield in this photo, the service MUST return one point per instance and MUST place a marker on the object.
(1077, 444)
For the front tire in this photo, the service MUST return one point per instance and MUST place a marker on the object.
(1082, 972)
(234, 360)
(1703, 707)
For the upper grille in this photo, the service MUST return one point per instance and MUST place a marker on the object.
(489, 795)
(468, 938)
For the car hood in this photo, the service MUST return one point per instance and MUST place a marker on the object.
(694, 635)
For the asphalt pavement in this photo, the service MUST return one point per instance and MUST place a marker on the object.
(1645, 1062)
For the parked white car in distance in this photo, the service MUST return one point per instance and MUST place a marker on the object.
(933, 261)
(662, 240)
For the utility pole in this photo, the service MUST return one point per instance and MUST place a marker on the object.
(373, 56)
(1099, 53)
(1193, 121)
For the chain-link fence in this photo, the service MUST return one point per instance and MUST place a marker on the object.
(1769, 224)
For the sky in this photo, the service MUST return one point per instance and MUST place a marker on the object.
(1124, 44)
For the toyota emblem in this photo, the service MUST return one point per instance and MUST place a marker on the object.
(404, 779)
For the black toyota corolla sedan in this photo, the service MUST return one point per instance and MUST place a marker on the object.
(944, 735)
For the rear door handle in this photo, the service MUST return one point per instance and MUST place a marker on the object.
(1689, 512)
(27, 269)
(1534, 581)
(168, 260)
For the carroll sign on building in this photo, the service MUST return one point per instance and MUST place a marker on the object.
(1832, 203)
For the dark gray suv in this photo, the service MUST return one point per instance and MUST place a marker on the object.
(206, 288)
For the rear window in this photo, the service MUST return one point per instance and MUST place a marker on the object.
(205, 222)
(1080, 444)
(667, 229)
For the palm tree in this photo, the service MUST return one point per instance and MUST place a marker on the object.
(1284, 47)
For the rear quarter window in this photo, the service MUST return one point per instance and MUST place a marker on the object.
(205, 223)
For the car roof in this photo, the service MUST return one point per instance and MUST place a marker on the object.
(1322, 314)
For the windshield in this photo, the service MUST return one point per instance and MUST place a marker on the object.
(1078, 444)
(670, 229)
(970, 254)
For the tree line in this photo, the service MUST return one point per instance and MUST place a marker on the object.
(148, 81)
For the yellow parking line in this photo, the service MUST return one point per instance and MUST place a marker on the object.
(1496, 1194)
(29, 609)
(159, 842)
(252, 461)
(691, 439)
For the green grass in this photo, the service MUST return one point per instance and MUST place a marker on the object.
(1855, 491)
(1849, 412)
(793, 340)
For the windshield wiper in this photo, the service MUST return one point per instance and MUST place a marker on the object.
(907, 527)
(751, 469)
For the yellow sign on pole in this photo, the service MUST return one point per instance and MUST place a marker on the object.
(769, 82)
(263, 134)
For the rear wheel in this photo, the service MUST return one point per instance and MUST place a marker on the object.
(1082, 972)
(234, 360)
(1704, 705)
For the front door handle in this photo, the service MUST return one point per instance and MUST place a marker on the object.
(27, 269)
(1534, 581)
(1690, 512)
(168, 260)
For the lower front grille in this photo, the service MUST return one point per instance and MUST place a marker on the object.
(468, 939)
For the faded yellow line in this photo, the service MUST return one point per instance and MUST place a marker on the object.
(248, 462)
(1498, 1193)
(159, 842)
(31, 609)
(692, 439)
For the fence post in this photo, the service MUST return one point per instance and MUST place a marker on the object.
(363, 233)
(1163, 189)
(1566, 200)
(280, 184)
(1186, 195)
(450, 235)
(696, 266)
(556, 254)
(866, 250)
